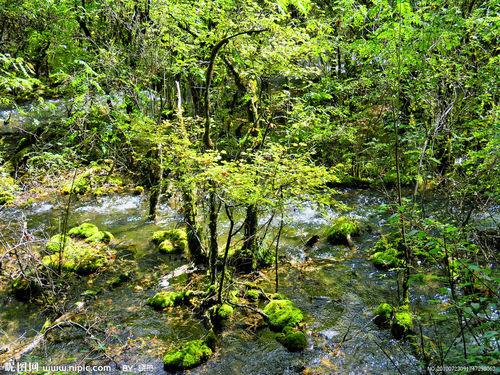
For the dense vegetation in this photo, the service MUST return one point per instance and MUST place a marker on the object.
(236, 111)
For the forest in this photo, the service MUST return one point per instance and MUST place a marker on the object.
(249, 186)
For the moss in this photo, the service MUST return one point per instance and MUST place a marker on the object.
(293, 340)
(224, 312)
(55, 243)
(138, 190)
(341, 228)
(78, 257)
(282, 313)
(402, 322)
(7, 188)
(166, 247)
(189, 355)
(252, 294)
(162, 300)
(90, 233)
(385, 252)
(170, 241)
(383, 314)
(385, 260)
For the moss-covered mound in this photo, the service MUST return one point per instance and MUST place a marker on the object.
(170, 241)
(78, 257)
(57, 242)
(83, 249)
(385, 253)
(341, 228)
(90, 233)
(402, 323)
(252, 294)
(221, 314)
(189, 355)
(293, 340)
(224, 311)
(282, 313)
(163, 300)
(383, 315)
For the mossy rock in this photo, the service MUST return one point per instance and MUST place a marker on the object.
(341, 228)
(252, 294)
(170, 241)
(78, 257)
(224, 312)
(402, 323)
(163, 300)
(189, 355)
(56, 243)
(90, 233)
(383, 315)
(282, 313)
(167, 247)
(293, 340)
(385, 260)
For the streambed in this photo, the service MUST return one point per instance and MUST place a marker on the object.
(335, 287)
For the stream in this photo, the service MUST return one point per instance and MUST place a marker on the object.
(336, 288)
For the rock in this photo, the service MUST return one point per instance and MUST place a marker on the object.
(252, 294)
(385, 253)
(162, 300)
(312, 241)
(293, 340)
(282, 313)
(170, 241)
(189, 355)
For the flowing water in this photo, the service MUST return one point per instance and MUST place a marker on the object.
(337, 288)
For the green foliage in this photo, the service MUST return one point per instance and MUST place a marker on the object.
(57, 242)
(282, 313)
(386, 254)
(8, 188)
(189, 355)
(82, 251)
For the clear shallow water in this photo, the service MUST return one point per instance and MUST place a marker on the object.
(336, 288)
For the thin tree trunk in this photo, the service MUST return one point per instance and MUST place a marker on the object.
(226, 252)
